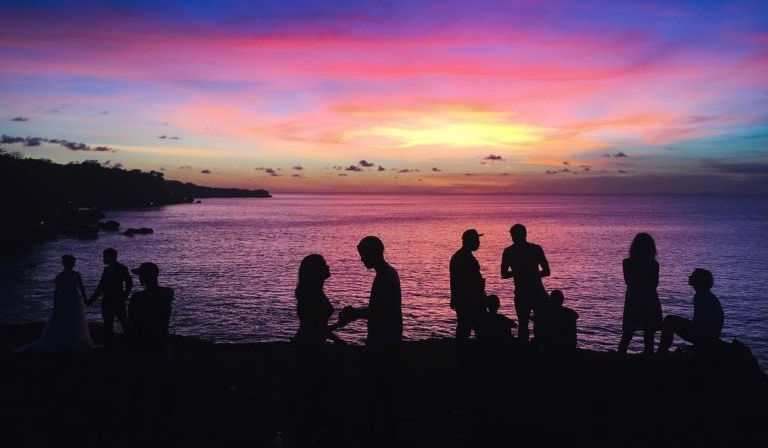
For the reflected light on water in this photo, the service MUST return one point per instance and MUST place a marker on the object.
(234, 262)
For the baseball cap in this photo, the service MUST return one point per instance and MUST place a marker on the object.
(471, 233)
(147, 268)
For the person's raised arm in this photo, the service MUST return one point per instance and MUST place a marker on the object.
(506, 266)
(544, 264)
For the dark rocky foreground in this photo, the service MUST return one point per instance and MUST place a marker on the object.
(244, 394)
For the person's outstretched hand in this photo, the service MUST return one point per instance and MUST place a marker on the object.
(347, 314)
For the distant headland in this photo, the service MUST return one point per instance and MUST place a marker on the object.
(42, 199)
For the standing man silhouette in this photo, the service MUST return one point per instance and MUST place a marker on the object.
(467, 286)
(525, 262)
(115, 286)
(385, 333)
(150, 314)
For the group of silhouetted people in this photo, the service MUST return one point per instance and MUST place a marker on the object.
(144, 317)
(525, 262)
(554, 325)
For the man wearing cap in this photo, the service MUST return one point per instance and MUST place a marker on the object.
(149, 313)
(467, 286)
(525, 262)
(115, 286)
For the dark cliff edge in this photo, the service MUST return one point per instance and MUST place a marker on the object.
(40, 199)
(237, 394)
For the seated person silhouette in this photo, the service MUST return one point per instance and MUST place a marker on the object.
(707, 324)
(494, 329)
(566, 321)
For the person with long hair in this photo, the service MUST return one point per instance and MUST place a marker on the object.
(313, 309)
(642, 308)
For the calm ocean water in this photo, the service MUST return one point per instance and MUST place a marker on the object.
(233, 262)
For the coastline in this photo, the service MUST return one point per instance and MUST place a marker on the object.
(246, 393)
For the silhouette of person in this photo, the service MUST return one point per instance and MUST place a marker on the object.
(149, 313)
(566, 321)
(642, 308)
(313, 309)
(385, 334)
(115, 286)
(526, 264)
(707, 324)
(494, 329)
(67, 328)
(467, 286)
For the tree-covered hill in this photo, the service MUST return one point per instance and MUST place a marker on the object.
(36, 194)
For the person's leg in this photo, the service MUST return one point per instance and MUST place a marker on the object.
(626, 338)
(523, 310)
(122, 317)
(649, 339)
(312, 391)
(474, 320)
(463, 326)
(676, 325)
(108, 315)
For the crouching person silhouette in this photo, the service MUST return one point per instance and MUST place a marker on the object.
(494, 329)
(707, 324)
(149, 313)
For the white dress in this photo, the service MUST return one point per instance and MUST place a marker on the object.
(67, 329)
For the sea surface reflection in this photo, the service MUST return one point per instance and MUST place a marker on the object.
(233, 262)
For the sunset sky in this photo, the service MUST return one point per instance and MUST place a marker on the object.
(443, 96)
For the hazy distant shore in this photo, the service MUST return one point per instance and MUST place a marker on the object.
(50, 199)
(245, 393)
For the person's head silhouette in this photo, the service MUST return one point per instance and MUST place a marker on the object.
(493, 303)
(470, 240)
(68, 261)
(148, 274)
(371, 251)
(110, 255)
(701, 280)
(643, 247)
(557, 297)
(519, 233)
(313, 271)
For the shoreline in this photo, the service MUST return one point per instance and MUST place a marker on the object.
(246, 393)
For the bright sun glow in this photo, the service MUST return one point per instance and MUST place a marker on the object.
(459, 135)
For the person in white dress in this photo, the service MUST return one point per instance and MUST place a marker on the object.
(67, 328)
